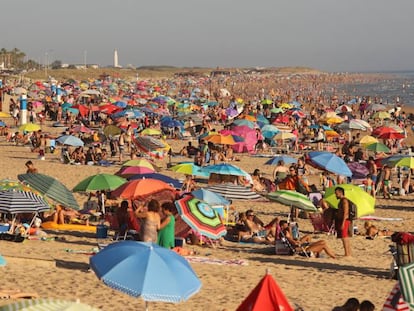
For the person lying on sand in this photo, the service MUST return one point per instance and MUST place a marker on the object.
(372, 231)
(256, 231)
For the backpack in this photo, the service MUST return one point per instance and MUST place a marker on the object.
(352, 211)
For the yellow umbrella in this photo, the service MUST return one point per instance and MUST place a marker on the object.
(4, 115)
(367, 140)
(284, 135)
(334, 120)
(381, 115)
(29, 127)
(285, 106)
(331, 134)
(240, 100)
(150, 131)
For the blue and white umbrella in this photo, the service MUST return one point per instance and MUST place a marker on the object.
(15, 202)
(146, 270)
(70, 140)
(210, 197)
(286, 159)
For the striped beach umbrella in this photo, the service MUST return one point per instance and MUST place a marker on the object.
(293, 199)
(235, 192)
(50, 187)
(47, 304)
(395, 301)
(15, 202)
(406, 279)
(201, 217)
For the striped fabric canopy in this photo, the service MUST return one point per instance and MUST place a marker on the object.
(292, 198)
(15, 202)
(51, 188)
(235, 192)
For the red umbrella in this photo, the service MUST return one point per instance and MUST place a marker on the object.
(81, 128)
(381, 130)
(267, 295)
(391, 135)
(109, 108)
(83, 110)
(140, 188)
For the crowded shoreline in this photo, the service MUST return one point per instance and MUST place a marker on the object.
(305, 281)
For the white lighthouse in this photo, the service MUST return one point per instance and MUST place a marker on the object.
(116, 64)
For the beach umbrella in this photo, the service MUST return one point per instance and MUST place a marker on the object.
(392, 135)
(381, 130)
(406, 161)
(5, 114)
(243, 122)
(8, 184)
(70, 140)
(364, 202)
(235, 192)
(29, 127)
(363, 123)
(226, 169)
(377, 107)
(267, 295)
(190, 168)
(146, 270)
(140, 188)
(51, 188)
(129, 171)
(15, 202)
(293, 199)
(367, 140)
(359, 171)
(201, 217)
(210, 197)
(405, 278)
(269, 130)
(395, 301)
(330, 162)
(220, 139)
(81, 129)
(343, 108)
(285, 158)
(167, 179)
(378, 147)
(139, 162)
(111, 130)
(47, 304)
(99, 182)
(352, 125)
(381, 115)
(150, 132)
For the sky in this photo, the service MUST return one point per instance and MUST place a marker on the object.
(328, 35)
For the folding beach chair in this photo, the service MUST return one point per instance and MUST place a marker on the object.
(319, 224)
(299, 250)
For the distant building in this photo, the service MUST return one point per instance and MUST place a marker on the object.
(116, 63)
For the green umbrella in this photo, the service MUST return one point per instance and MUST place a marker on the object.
(190, 169)
(99, 182)
(51, 188)
(378, 147)
(364, 202)
(293, 199)
(404, 162)
(111, 130)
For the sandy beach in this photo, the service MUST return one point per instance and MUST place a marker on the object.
(59, 268)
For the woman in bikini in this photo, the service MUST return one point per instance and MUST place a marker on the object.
(372, 231)
(151, 221)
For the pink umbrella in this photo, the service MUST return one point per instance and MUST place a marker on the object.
(128, 171)
(82, 129)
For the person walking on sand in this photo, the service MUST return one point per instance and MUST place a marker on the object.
(342, 222)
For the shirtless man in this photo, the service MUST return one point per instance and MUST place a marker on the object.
(386, 184)
(342, 222)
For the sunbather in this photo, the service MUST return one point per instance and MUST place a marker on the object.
(372, 231)
(305, 242)
(257, 231)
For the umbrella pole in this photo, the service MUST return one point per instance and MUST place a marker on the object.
(146, 306)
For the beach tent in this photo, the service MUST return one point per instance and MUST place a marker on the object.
(267, 295)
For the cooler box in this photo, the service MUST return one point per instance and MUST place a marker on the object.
(179, 242)
(101, 232)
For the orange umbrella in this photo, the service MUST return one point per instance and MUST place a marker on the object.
(140, 188)
(220, 139)
(250, 118)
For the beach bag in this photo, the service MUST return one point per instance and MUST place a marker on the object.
(352, 211)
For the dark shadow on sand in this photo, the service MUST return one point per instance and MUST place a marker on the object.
(72, 265)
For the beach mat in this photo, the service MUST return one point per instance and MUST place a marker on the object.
(216, 261)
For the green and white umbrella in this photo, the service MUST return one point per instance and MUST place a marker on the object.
(406, 279)
(293, 199)
(47, 305)
(50, 187)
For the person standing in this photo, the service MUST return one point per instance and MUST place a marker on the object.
(166, 237)
(151, 221)
(342, 221)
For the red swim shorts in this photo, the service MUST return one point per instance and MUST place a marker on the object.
(344, 232)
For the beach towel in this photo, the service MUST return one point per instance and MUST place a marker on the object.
(379, 218)
(216, 261)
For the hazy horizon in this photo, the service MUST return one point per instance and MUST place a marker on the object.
(333, 36)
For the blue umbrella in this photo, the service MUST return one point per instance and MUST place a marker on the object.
(287, 159)
(174, 182)
(210, 197)
(121, 104)
(171, 123)
(146, 270)
(70, 140)
(329, 162)
(2, 123)
(225, 169)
